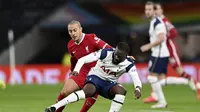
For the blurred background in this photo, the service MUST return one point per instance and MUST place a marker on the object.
(40, 54)
(40, 28)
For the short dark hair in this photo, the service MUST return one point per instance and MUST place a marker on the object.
(122, 46)
(151, 3)
(158, 3)
(74, 22)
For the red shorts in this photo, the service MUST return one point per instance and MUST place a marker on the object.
(80, 79)
(174, 59)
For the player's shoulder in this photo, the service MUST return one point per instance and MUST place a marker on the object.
(105, 52)
(129, 60)
(166, 20)
(90, 36)
(156, 21)
(130, 63)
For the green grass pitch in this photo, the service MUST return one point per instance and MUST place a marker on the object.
(34, 98)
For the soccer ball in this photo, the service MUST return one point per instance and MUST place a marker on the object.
(2, 84)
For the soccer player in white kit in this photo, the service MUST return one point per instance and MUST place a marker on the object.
(159, 55)
(174, 59)
(103, 78)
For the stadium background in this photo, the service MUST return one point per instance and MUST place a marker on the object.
(40, 39)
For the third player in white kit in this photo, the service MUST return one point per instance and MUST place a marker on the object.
(159, 56)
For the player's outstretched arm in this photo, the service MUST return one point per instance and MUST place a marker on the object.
(136, 81)
(87, 59)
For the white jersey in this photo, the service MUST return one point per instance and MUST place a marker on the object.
(158, 26)
(105, 69)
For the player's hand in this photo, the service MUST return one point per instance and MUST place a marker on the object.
(74, 73)
(137, 92)
(145, 47)
(132, 58)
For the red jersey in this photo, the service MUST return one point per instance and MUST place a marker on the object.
(171, 30)
(89, 43)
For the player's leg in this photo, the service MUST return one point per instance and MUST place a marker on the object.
(173, 80)
(152, 98)
(161, 71)
(157, 89)
(192, 82)
(175, 60)
(73, 97)
(158, 70)
(118, 94)
(194, 85)
(88, 91)
(90, 100)
(88, 103)
(72, 84)
(176, 64)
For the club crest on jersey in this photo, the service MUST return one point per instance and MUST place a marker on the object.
(87, 49)
(96, 39)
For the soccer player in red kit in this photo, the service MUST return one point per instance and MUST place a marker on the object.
(80, 45)
(174, 57)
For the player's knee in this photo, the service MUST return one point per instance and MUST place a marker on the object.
(89, 90)
(65, 92)
(123, 90)
(119, 90)
(89, 93)
(179, 70)
(152, 79)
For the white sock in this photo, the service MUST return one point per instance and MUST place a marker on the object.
(157, 88)
(117, 103)
(173, 80)
(153, 94)
(74, 97)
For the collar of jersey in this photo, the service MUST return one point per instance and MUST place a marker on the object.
(83, 36)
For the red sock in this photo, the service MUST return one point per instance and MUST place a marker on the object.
(88, 103)
(185, 75)
(60, 97)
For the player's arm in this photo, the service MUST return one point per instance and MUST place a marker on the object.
(135, 77)
(172, 32)
(87, 59)
(136, 81)
(73, 61)
(160, 33)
